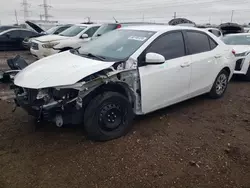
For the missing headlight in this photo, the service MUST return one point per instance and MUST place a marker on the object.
(64, 94)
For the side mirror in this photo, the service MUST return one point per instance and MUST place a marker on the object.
(7, 35)
(84, 36)
(154, 58)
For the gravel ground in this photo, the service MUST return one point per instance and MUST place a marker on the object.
(200, 143)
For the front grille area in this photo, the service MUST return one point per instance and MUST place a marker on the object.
(34, 46)
(238, 65)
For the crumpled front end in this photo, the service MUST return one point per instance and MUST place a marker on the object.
(59, 106)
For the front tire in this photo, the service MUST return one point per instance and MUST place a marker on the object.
(220, 85)
(108, 116)
(247, 75)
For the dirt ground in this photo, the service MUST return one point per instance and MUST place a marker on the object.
(200, 143)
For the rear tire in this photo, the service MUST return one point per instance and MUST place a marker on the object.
(108, 116)
(220, 85)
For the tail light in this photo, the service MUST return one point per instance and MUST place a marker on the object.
(118, 26)
(233, 51)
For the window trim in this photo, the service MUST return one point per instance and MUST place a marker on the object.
(143, 54)
(204, 33)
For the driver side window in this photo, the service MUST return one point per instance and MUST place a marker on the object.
(13, 34)
(170, 45)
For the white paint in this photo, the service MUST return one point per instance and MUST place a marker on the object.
(58, 70)
(64, 42)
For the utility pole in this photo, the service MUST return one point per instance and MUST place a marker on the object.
(25, 9)
(46, 10)
(16, 17)
(232, 15)
(41, 17)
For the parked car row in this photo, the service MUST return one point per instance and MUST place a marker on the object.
(133, 70)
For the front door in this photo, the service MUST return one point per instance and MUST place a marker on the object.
(167, 83)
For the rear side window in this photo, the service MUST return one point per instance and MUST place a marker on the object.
(213, 44)
(171, 46)
(197, 42)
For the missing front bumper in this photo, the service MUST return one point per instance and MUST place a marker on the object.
(67, 113)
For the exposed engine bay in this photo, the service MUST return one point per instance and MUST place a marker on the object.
(66, 104)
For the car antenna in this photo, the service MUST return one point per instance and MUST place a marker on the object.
(115, 20)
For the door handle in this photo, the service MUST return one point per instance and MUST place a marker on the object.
(186, 64)
(217, 56)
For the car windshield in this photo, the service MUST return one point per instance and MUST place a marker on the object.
(73, 31)
(52, 30)
(116, 45)
(104, 29)
(237, 40)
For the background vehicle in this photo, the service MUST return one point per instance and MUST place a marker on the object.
(12, 39)
(72, 37)
(231, 28)
(7, 27)
(112, 26)
(241, 44)
(132, 70)
(215, 31)
(52, 31)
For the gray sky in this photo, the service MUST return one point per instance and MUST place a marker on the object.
(73, 11)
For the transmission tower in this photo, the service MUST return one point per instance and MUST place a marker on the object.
(25, 5)
(46, 10)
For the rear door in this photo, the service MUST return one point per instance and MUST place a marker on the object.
(204, 57)
(167, 83)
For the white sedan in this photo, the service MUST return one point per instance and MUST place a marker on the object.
(73, 37)
(130, 71)
(241, 44)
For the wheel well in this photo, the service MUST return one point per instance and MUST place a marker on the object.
(227, 69)
(115, 87)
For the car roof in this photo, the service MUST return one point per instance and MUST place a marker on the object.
(158, 28)
(19, 29)
(88, 25)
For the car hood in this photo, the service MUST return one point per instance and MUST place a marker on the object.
(51, 38)
(58, 70)
(241, 48)
(35, 27)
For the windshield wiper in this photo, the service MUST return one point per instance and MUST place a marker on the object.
(94, 56)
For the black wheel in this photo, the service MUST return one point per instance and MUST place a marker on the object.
(220, 85)
(108, 116)
(247, 75)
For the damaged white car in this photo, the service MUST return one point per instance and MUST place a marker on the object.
(129, 71)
